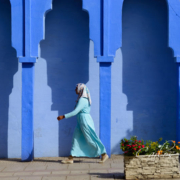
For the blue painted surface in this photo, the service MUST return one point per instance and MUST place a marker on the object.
(178, 106)
(148, 73)
(109, 17)
(27, 111)
(144, 75)
(105, 59)
(27, 25)
(104, 23)
(9, 110)
(107, 39)
(174, 35)
(39, 8)
(17, 26)
(113, 16)
(60, 73)
(174, 26)
(105, 105)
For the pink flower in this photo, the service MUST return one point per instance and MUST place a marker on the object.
(129, 146)
(133, 145)
(143, 146)
(139, 146)
(122, 144)
(139, 141)
(134, 148)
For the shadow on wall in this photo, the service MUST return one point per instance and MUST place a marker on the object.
(149, 69)
(8, 67)
(66, 50)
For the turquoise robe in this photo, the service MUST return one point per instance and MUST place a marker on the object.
(85, 141)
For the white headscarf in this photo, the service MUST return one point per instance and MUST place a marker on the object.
(83, 91)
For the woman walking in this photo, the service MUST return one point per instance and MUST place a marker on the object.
(85, 141)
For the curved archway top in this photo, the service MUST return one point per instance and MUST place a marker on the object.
(28, 26)
(108, 35)
(105, 26)
(174, 27)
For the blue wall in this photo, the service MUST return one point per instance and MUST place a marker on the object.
(144, 78)
(65, 58)
(10, 89)
(147, 74)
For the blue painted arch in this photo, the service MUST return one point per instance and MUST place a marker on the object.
(64, 32)
(94, 9)
(105, 31)
(149, 69)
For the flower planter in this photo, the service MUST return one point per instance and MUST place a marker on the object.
(151, 167)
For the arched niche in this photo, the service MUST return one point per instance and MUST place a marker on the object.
(149, 69)
(64, 62)
(9, 121)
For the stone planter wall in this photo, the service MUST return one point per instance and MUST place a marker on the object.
(144, 167)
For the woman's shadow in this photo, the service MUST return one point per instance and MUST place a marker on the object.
(66, 50)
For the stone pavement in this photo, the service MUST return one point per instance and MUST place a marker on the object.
(52, 169)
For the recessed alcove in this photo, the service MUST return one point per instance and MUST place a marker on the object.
(8, 68)
(65, 56)
(149, 69)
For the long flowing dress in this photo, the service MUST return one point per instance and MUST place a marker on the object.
(85, 142)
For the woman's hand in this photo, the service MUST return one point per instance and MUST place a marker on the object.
(60, 117)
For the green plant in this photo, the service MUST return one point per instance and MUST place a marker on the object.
(132, 147)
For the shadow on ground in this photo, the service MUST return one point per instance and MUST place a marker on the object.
(108, 175)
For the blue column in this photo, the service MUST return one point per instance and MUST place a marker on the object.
(105, 31)
(105, 105)
(105, 100)
(27, 32)
(27, 111)
(178, 110)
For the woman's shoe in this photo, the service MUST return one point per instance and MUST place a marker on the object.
(68, 161)
(104, 158)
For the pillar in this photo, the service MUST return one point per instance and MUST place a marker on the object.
(105, 63)
(27, 32)
(105, 31)
(105, 105)
(178, 105)
(27, 111)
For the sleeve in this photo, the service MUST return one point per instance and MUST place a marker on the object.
(81, 104)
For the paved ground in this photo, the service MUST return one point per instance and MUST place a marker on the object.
(52, 169)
